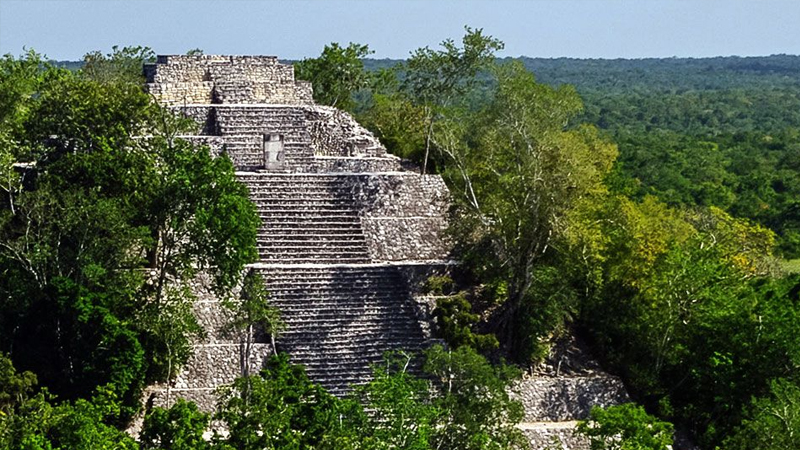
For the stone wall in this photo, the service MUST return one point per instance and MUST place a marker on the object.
(218, 356)
(403, 215)
(561, 390)
(242, 98)
(336, 133)
(558, 399)
(241, 129)
(206, 79)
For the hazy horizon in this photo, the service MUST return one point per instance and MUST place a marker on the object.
(65, 30)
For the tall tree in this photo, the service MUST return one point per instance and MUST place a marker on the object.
(93, 204)
(516, 172)
(336, 74)
(436, 79)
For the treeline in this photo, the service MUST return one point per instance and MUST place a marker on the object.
(694, 132)
(458, 401)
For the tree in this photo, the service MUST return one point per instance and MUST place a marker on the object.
(454, 318)
(281, 408)
(471, 396)
(404, 415)
(677, 304)
(253, 312)
(15, 388)
(516, 174)
(772, 422)
(336, 74)
(180, 427)
(398, 123)
(435, 79)
(122, 64)
(90, 204)
(37, 423)
(625, 427)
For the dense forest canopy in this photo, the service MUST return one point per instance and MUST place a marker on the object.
(649, 206)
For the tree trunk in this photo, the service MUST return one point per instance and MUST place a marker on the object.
(428, 137)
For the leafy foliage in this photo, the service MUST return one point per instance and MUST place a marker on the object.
(180, 427)
(336, 74)
(625, 427)
(773, 422)
(516, 180)
(93, 206)
(33, 422)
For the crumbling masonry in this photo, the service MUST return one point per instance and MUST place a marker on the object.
(347, 237)
(346, 234)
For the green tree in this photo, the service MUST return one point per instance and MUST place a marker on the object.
(253, 312)
(281, 408)
(677, 303)
(471, 397)
(772, 422)
(436, 79)
(625, 427)
(336, 74)
(94, 204)
(404, 415)
(398, 123)
(15, 387)
(516, 174)
(180, 427)
(36, 423)
(122, 64)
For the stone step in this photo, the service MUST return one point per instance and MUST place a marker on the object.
(343, 319)
(335, 218)
(358, 319)
(306, 259)
(322, 246)
(275, 252)
(333, 284)
(312, 280)
(298, 229)
(313, 240)
(336, 291)
(303, 199)
(348, 234)
(284, 209)
(327, 272)
(312, 276)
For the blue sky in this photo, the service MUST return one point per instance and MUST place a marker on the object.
(67, 29)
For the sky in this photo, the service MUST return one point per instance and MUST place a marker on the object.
(67, 29)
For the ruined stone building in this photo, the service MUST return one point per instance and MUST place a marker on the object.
(346, 233)
(347, 236)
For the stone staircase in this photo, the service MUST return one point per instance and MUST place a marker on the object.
(346, 234)
(341, 319)
(561, 391)
(243, 128)
(306, 219)
(342, 311)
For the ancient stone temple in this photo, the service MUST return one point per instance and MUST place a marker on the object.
(346, 233)
(347, 237)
